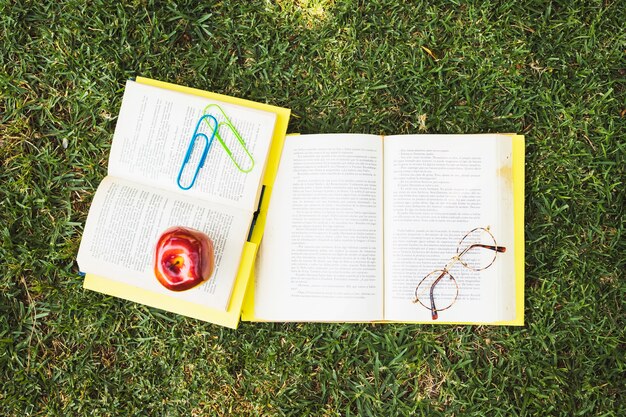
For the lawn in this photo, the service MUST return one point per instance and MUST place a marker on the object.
(553, 71)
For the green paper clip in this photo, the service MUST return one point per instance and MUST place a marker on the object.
(227, 123)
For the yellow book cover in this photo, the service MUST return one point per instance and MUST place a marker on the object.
(149, 189)
(405, 228)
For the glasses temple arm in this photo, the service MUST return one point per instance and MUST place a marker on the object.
(433, 309)
(500, 249)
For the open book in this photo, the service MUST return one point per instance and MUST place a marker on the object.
(412, 228)
(141, 196)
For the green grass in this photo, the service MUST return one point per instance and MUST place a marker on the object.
(555, 72)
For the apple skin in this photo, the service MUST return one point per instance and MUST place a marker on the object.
(183, 258)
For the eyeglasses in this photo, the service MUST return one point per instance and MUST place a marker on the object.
(476, 251)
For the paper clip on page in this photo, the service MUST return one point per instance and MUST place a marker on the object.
(227, 123)
(207, 146)
(209, 141)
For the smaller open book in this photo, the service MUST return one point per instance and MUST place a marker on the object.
(408, 228)
(142, 195)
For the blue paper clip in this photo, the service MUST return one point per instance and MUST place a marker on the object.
(207, 146)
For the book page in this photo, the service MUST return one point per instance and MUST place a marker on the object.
(437, 189)
(321, 257)
(155, 129)
(125, 222)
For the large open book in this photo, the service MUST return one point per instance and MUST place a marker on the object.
(141, 197)
(413, 228)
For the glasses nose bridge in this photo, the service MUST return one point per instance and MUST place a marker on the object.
(453, 261)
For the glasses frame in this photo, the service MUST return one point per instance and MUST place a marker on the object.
(446, 271)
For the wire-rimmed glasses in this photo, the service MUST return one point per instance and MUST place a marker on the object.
(477, 251)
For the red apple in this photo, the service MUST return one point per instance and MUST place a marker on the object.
(184, 258)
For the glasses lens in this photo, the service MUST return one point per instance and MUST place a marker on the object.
(477, 249)
(445, 290)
